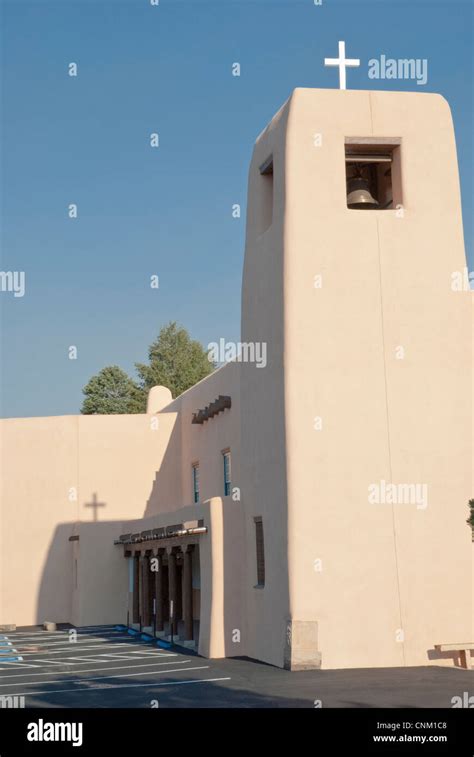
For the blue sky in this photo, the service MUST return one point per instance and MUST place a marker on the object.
(165, 211)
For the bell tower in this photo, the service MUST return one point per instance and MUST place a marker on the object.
(353, 233)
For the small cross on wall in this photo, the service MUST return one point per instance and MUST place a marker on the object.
(342, 63)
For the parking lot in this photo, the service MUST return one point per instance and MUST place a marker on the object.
(106, 666)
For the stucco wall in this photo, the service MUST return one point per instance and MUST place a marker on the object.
(201, 443)
(392, 579)
(133, 466)
(472, 461)
(381, 584)
(263, 430)
(114, 458)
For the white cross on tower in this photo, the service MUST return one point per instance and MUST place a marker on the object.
(343, 63)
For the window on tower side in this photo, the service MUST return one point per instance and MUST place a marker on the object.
(195, 469)
(260, 546)
(373, 178)
(227, 472)
(265, 196)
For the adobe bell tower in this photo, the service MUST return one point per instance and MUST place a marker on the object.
(353, 233)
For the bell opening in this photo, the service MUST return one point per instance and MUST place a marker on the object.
(369, 174)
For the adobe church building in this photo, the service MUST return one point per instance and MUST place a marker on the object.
(310, 512)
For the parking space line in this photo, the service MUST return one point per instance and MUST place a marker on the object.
(64, 637)
(128, 686)
(44, 636)
(91, 670)
(113, 658)
(16, 664)
(120, 655)
(47, 638)
(59, 661)
(26, 643)
(68, 649)
(79, 629)
(102, 678)
(46, 662)
(132, 655)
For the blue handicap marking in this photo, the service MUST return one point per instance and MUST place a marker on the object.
(6, 649)
(163, 644)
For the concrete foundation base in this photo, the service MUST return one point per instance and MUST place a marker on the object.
(301, 645)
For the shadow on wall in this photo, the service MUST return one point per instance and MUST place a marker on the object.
(236, 573)
(166, 491)
(85, 576)
(54, 600)
(434, 654)
(85, 579)
(95, 505)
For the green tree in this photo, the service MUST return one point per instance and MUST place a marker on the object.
(175, 361)
(470, 520)
(111, 392)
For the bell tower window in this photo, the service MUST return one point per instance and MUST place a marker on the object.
(373, 177)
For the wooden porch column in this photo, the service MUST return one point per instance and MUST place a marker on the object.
(145, 594)
(188, 591)
(172, 589)
(159, 591)
(136, 589)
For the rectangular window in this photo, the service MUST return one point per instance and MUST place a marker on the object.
(260, 551)
(196, 483)
(373, 180)
(265, 196)
(227, 473)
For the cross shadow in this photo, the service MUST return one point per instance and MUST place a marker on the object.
(95, 505)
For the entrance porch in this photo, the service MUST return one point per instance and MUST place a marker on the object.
(164, 583)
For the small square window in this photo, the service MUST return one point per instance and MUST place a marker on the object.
(373, 179)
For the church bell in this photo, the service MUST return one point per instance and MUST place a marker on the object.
(358, 194)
